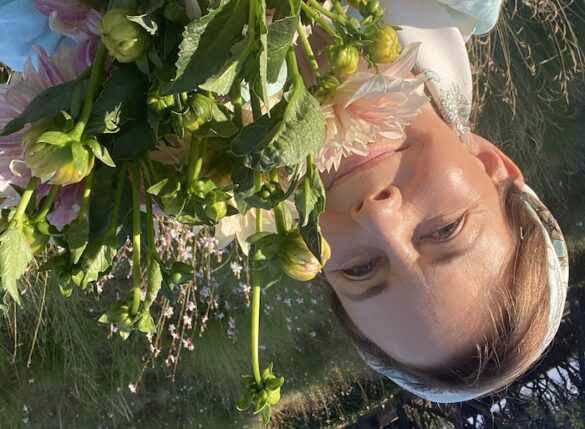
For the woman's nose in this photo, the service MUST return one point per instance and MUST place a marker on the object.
(378, 210)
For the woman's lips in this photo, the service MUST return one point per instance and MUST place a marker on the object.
(357, 164)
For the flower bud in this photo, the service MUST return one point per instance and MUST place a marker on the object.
(217, 210)
(325, 84)
(50, 157)
(385, 47)
(297, 261)
(158, 102)
(344, 60)
(371, 8)
(199, 113)
(125, 40)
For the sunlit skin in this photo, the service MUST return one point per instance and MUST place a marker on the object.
(419, 241)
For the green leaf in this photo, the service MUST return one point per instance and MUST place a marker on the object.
(244, 402)
(206, 44)
(260, 84)
(117, 313)
(146, 323)
(102, 202)
(76, 235)
(312, 236)
(295, 131)
(133, 141)
(15, 255)
(154, 282)
(280, 37)
(265, 413)
(123, 99)
(146, 22)
(55, 138)
(45, 105)
(311, 195)
(80, 157)
(166, 187)
(274, 383)
(97, 259)
(100, 152)
(221, 82)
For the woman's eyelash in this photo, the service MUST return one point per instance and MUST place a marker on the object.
(448, 231)
(361, 271)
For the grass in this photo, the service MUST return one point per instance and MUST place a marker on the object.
(528, 84)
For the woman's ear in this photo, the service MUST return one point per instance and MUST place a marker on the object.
(496, 164)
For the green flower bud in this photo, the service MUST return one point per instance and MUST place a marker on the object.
(297, 261)
(344, 60)
(371, 8)
(50, 157)
(199, 113)
(325, 84)
(216, 211)
(125, 40)
(159, 103)
(385, 47)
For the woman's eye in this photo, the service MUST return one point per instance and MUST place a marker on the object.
(361, 271)
(447, 231)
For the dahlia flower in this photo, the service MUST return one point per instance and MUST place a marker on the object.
(14, 98)
(370, 107)
(75, 20)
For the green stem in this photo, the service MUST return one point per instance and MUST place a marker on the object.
(308, 50)
(150, 168)
(118, 198)
(47, 204)
(97, 70)
(256, 294)
(196, 152)
(339, 9)
(151, 252)
(292, 68)
(85, 195)
(251, 20)
(315, 4)
(24, 200)
(256, 107)
(149, 224)
(135, 173)
(279, 216)
(319, 20)
(237, 100)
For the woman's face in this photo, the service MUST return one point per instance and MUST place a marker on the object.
(419, 241)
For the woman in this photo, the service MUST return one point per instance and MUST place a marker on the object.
(449, 274)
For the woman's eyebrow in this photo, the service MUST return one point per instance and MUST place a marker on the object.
(368, 293)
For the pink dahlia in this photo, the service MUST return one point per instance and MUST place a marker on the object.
(14, 98)
(75, 20)
(370, 107)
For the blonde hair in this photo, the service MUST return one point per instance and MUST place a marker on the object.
(520, 317)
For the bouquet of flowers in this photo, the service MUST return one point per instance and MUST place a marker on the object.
(197, 111)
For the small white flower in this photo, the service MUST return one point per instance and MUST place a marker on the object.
(188, 344)
(132, 387)
(236, 269)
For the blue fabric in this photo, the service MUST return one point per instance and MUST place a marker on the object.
(22, 27)
(484, 11)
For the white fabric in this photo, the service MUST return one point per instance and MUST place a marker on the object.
(442, 56)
